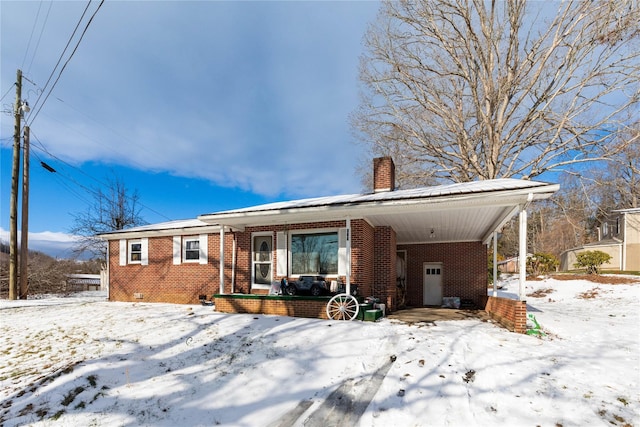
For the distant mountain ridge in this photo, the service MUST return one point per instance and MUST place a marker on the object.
(52, 248)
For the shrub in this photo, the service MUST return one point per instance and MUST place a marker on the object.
(490, 267)
(541, 263)
(591, 260)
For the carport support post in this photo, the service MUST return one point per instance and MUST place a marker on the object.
(495, 263)
(348, 249)
(221, 259)
(522, 257)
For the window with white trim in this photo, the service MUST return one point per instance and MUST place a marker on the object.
(135, 251)
(314, 253)
(191, 249)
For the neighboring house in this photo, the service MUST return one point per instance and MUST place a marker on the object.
(509, 266)
(619, 236)
(440, 232)
(83, 282)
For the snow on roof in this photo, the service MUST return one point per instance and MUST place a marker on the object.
(416, 193)
(475, 187)
(169, 225)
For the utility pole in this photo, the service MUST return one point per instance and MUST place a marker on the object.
(13, 215)
(24, 241)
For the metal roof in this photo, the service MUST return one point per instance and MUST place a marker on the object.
(468, 211)
(474, 187)
(182, 226)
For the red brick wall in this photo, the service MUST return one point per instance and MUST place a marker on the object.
(373, 267)
(464, 269)
(161, 280)
(512, 314)
(384, 286)
(295, 307)
(384, 174)
(243, 264)
(362, 256)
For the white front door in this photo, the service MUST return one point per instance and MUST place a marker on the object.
(262, 255)
(432, 291)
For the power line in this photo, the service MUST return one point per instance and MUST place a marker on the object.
(59, 178)
(38, 106)
(7, 93)
(44, 24)
(62, 54)
(87, 189)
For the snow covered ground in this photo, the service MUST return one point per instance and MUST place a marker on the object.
(83, 361)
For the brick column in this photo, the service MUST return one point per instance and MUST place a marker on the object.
(384, 268)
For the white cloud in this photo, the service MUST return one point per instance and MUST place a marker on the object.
(55, 244)
(254, 96)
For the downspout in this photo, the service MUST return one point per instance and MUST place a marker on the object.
(348, 244)
(495, 263)
(221, 260)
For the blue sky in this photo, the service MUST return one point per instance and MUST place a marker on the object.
(199, 106)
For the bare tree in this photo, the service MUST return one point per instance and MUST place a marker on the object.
(617, 186)
(462, 90)
(46, 274)
(115, 208)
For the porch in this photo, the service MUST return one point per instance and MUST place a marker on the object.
(314, 307)
(511, 314)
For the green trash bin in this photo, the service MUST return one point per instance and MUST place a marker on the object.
(361, 310)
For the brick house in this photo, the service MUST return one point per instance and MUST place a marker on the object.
(431, 241)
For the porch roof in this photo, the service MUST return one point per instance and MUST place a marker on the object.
(468, 211)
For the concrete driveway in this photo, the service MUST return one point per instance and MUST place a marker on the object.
(435, 314)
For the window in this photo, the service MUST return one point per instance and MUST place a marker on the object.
(135, 251)
(314, 253)
(191, 249)
(262, 259)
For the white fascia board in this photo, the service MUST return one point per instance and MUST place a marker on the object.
(508, 214)
(184, 231)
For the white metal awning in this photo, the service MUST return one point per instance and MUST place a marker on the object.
(448, 213)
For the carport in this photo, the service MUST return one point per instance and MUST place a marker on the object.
(462, 212)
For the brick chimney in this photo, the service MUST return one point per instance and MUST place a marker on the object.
(384, 174)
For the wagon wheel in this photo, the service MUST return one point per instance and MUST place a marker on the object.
(342, 307)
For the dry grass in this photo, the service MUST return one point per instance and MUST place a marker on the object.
(596, 278)
(541, 293)
(590, 294)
